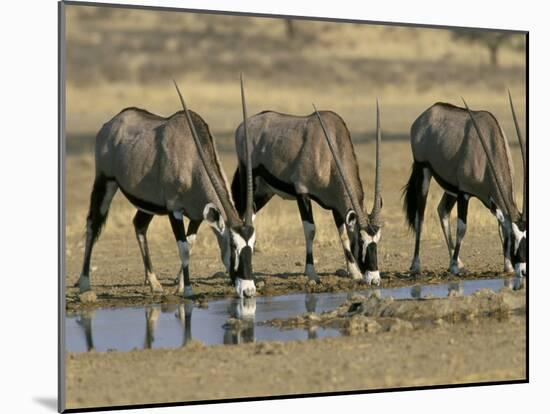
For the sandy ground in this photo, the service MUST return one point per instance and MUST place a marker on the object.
(488, 345)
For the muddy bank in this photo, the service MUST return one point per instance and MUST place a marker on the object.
(484, 349)
(373, 314)
(217, 286)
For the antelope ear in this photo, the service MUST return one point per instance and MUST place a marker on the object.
(351, 219)
(214, 218)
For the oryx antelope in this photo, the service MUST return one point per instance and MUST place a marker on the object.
(306, 158)
(468, 155)
(168, 166)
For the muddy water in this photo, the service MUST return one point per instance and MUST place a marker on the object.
(228, 321)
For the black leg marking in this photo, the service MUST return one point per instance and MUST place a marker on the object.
(461, 224)
(191, 239)
(444, 209)
(192, 232)
(422, 187)
(178, 228)
(506, 248)
(141, 224)
(306, 214)
(351, 264)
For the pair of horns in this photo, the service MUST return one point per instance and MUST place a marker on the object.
(374, 216)
(510, 210)
(220, 192)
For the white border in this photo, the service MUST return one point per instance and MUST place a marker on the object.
(28, 163)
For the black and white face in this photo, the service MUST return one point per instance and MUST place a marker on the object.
(519, 248)
(236, 247)
(242, 241)
(364, 243)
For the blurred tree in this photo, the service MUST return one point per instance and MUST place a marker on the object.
(290, 29)
(492, 40)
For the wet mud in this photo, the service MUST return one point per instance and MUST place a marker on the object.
(372, 314)
(218, 286)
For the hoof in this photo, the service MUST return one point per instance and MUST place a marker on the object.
(84, 284)
(353, 271)
(313, 282)
(457, 270)
(312, 274)
(355, 274)
(153, 282)
(508, 268)
(156, 288)
(415, 268)
(187, 291)
(314, 279)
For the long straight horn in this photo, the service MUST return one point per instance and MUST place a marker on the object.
(377, 206)
(215, 183)
(500, 186)
(354, 202)
(523, 156)
(248, 152)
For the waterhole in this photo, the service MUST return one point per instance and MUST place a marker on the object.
(227, 321)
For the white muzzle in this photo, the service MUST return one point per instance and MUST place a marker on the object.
(372, 277)
(520, 269)
(245, 288)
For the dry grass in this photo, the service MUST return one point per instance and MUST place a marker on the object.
(118, 58)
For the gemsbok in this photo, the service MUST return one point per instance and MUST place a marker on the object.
(168, 166)
(468, 155)
(306, 158)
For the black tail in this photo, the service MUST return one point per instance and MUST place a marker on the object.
(95, 219)
(238, 189)
(410, 191)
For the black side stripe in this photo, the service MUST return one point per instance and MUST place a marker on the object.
(276, 183)
(144, 205)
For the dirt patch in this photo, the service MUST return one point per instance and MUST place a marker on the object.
(485, 349)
